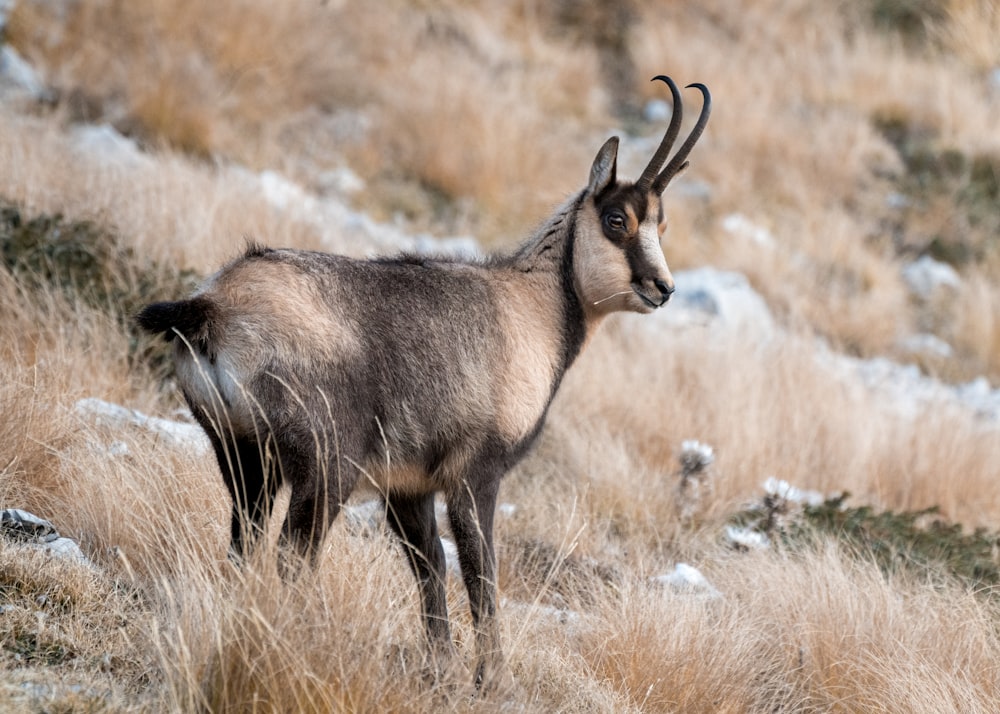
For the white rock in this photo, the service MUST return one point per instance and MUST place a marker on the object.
(451, 556)
(722, 297)
(30, 531)
(995, 79)
(691, 188)
(739, 225)
(16, 75)
(507, 509)
(285, 194)
(341, 181)
(925, 276)
(906, 391)
(118, 448)
(657, 111)
(365, 518)
(343, 228)
(68, 549)
(21, 525)
(977, 389)
(188, 437)
(897, 201)
(687, 579)
(979, 396)
(927, 345)
(106, 143)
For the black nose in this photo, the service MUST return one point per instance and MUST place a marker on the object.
(665, 290)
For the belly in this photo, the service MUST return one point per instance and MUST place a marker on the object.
(379, 480)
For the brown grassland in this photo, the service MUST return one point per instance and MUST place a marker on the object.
(860, 135)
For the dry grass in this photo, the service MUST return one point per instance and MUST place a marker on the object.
(768, 409)
(179, 211)
(464, 117)
(195, 74)
(804, 635)
(970, 32)
(468, 119)
(595, 519)
(977, 321)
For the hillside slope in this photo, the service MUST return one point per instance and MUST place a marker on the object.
(836, 328)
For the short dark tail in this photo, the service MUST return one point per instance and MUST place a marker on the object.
(192, 318)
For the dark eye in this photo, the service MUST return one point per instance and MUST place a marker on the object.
(615, 221)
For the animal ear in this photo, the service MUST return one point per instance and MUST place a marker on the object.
(602, 173)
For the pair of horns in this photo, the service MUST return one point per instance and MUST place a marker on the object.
(650, 179)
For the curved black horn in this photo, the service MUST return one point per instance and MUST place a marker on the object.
(679, 161)
(646, 179)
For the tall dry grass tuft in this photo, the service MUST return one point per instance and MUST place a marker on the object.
(975, 323)
(803, 633)
(253, 641)
(663, 654)
(928, 637)
(970, 30)
(53, 352)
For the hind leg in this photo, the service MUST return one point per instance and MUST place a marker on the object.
(249, 478)
(253, 495)
(319, 489)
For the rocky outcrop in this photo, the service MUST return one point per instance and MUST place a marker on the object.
(30, 531)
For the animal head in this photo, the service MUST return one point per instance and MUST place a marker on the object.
(618, 257)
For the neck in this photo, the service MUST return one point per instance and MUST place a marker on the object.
(549, 254)
(544, 251)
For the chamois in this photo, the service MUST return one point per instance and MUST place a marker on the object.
(413, 375)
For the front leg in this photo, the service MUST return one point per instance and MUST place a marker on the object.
(412, 519)
(470, 512)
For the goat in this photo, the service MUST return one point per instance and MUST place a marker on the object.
(413, 375)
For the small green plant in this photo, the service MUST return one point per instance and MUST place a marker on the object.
(916, 540)
(919, 542)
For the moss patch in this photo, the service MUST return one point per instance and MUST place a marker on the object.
(951, 196)
(89, 264)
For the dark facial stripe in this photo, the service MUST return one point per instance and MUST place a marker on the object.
(638, 263)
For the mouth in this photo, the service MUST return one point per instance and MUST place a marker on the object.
(660, 301)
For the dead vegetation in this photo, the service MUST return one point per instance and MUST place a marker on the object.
(857, 136)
